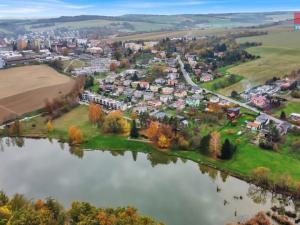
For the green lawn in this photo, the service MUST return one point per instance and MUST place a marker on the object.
(222, 81)
(290, 107)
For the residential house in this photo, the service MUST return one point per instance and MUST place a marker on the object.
(295, 117)
(160, 81)
(166, 98)
(180, 94)
(154, 88)
(192, 101)
(167, 90)
(283, 128)
(205, 77)
(233, 113)
(138, 94)
(140, 109)
(148, 96)
(154, 103)
(259, 101)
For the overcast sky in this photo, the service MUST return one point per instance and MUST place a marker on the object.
(54, 8)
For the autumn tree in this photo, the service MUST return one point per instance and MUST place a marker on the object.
(96, 114)
(153, 129)
(183, 143)
(49, 126)
(75, 135)
(163, 141)
(115, 123)
(215, 144)
(15, 129)
(113, 67)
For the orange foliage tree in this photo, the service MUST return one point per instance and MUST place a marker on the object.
(153, 129)
(75, 135)
(96, 114)
(215, 144)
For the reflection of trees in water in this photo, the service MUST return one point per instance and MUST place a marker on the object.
(134, 155)
(62, 145)
(257, 194)
(296, 203)
(13, 141)
(1, 145)
(117, 153)
(223, 176)
(50, 140)
(77, 151)
(213, 173)
(157, 158)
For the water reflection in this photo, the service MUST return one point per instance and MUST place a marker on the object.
(170, 189)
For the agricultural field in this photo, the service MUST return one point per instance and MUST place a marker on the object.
(280, 54)
(25, 89)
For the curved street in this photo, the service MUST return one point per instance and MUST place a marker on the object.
(244, 105)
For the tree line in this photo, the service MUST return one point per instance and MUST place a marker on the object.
(18, 210)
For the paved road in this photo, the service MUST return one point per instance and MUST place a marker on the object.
(244, 105)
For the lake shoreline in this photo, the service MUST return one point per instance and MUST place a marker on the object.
(89, 145)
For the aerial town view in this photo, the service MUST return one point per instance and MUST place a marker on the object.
(125, 112)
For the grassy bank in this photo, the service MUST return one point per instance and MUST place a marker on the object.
(247, 157)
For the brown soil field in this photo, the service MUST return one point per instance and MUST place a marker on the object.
(25, 89)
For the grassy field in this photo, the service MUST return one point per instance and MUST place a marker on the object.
(171, 34)
(25, 89)
(247, 157)
(280, 54)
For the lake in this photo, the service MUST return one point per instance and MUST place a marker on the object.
(172, 190)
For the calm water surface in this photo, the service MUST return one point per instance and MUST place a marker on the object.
(174, 191)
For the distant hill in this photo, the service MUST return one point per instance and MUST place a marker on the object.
(130, 24)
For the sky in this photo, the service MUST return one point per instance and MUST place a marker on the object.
(55, 8)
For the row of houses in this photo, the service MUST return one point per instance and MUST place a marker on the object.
(106, 102)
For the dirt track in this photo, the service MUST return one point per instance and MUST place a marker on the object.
(25, 89)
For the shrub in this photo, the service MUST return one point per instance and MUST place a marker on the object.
(261, 175)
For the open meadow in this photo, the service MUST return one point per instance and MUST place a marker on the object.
(25, 89)
(280, 54)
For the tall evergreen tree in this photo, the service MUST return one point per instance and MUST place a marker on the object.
(283, 115)
(134, 133)
(227, 150)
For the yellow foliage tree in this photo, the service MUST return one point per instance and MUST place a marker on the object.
(96, 114)
(215, 144)
(115, 123)
(5, 212)
(163, 142)
(49, 126)
(133, 116)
